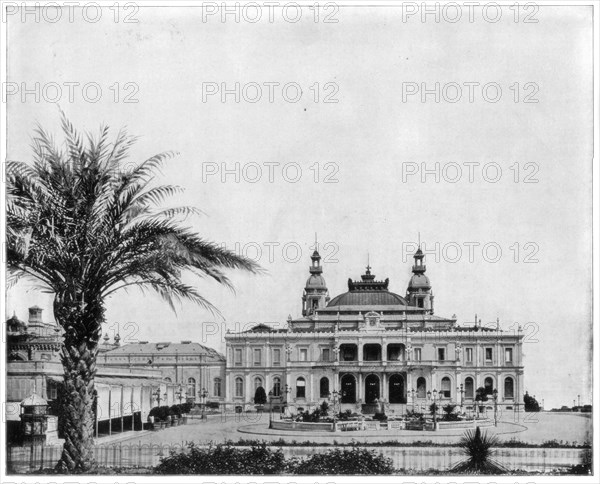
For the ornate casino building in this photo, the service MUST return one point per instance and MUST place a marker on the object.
(369, 347)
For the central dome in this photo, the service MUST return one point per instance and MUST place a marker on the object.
(368, 298)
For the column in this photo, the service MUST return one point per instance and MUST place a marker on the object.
(249, 391)
(360, 350)
(109, 408)
(360, 396)
(384, 388)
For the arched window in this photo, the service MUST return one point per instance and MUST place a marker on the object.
(324, 387)
(167, 379)
(300, 388)
(421, 387)
(446, 387)
(509, 387)
(217, 387)
(191, 387)
(257, 383)
(469, 387)
(239, 387)
(488, 384)
(276, 386)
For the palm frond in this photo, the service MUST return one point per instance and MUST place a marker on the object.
(79, 224)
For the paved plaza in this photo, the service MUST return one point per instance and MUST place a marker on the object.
(531, 428)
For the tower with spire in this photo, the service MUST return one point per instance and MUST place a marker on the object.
(316, 294)
(419, 292)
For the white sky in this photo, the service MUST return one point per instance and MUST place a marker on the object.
(370, 135)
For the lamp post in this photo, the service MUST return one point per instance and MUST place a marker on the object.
(271, 409)
(179, 394)
(412, 392)
(495, 393)
(156, 395)
(461, 391)
(203, 395)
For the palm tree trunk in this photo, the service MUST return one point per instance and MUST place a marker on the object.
(82, 325)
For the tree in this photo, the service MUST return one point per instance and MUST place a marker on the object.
(260, 397)
(531, 404)
(84, 229)
(481, 397)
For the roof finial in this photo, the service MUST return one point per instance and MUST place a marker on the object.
(368, 263)
(419, 239)
(316, 243)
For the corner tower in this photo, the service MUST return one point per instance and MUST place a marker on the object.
(316, 294)
(419, 292)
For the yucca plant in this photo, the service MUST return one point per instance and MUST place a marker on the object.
(478, 448)
(84, 228)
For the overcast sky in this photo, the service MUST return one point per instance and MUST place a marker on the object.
(357, 188)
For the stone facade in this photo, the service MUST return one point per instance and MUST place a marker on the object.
(370, 349)
(190, 367)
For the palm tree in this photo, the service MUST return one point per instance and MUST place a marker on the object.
(85, 229)
(478, 448)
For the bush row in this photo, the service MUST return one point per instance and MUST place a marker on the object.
(396, 443)
(164, 411)
(262, 460)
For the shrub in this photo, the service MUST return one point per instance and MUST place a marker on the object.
(449, 414)
(260, 397)
(477, 447)
(186, 407)
(212, 405)
(223, 459)
(585, 466)
(531, 404)
(160, 413)
(345, 415)
(342, 462)
(175, 410)
(380, 416)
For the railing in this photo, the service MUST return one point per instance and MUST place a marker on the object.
(27, 459)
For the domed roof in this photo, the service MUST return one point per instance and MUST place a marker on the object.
(33, 400)
(316, 281)
(418, 281)
(368, 298)
(15, 324)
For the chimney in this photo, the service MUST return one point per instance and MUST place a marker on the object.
(35, 322)
(35, 315)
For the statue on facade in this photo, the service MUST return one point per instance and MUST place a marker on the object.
(457, 351)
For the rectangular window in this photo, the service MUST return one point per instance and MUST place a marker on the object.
(237, 360)
(325, 355)
(469, 355)
(239, 387)
(303, 354)
(441, 354)
(417, 354)
(257, 357)
(52, 392)
(276, 357)
(488, 355)
(508, 355)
